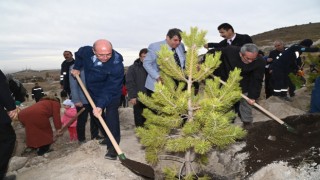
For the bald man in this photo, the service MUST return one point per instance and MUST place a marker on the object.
(104, 70)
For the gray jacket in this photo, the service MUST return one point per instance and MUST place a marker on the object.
(76, 91)
(150, 62)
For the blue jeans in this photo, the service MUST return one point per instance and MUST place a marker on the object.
(315, 97)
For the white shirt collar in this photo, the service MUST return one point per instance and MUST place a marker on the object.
(233, 37)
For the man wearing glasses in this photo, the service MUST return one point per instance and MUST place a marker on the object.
(252, 71)
(104, 70)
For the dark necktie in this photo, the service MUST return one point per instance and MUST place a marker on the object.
(176, 57)
(230, 42)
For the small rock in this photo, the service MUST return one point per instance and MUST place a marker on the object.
(272, 138)
(17, 163)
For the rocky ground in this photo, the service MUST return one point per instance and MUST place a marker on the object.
(69, 160)
(269, 151)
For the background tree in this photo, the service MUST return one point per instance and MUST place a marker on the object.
(313, 61)
(180, 121)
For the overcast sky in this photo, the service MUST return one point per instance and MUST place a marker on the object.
(34, 33)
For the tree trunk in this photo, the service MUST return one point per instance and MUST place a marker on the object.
(188, 166)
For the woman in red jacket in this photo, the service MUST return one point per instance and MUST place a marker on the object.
(38, 129)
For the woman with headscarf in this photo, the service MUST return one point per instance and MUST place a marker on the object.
(38, 129)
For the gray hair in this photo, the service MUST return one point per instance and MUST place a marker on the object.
(249, 48)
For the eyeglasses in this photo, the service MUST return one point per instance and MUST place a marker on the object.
(102, 55)
(246, 59)
(249, 59)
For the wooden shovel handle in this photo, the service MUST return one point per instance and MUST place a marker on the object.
(71, 120)
(85, 91)
(264, 110)
(259, 107)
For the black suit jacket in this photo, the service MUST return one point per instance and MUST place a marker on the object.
(239, 40)
(252, 73)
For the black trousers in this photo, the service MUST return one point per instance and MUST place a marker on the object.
(95, 125)
(137, 112)
(111, 118)
(123, 101)
(7, 143)
(292, 88)
(268, 83)
(281, 82)
(149, 92)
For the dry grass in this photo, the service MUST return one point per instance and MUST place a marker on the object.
(50, 82)
(289, 35)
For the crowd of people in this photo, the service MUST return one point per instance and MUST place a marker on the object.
(101, 69)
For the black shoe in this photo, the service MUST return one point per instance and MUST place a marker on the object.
(111, 154)
(103, 142)
(43, 149)
(97, 138)
(10, 177)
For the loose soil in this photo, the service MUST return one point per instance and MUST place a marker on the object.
(269, 142)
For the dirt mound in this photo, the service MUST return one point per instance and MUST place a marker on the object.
(269, 142)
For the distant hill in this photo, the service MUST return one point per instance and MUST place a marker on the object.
(35, 76)
(289, 35)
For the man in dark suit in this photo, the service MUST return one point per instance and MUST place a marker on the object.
(252, 71)
(230, 37)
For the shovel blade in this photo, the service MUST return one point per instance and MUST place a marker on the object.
(138, 168)
(290, 129)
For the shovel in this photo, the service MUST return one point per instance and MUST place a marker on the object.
(61, 131)
(137, 167)
(289, 128)
(72, 120)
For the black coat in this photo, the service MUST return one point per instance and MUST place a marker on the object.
(136, 79)
(239, 40)
(64, 75)
(288, 61)
(252, 74)
(6, 100)
(37, 93)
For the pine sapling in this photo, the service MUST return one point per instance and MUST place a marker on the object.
(181, 121)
